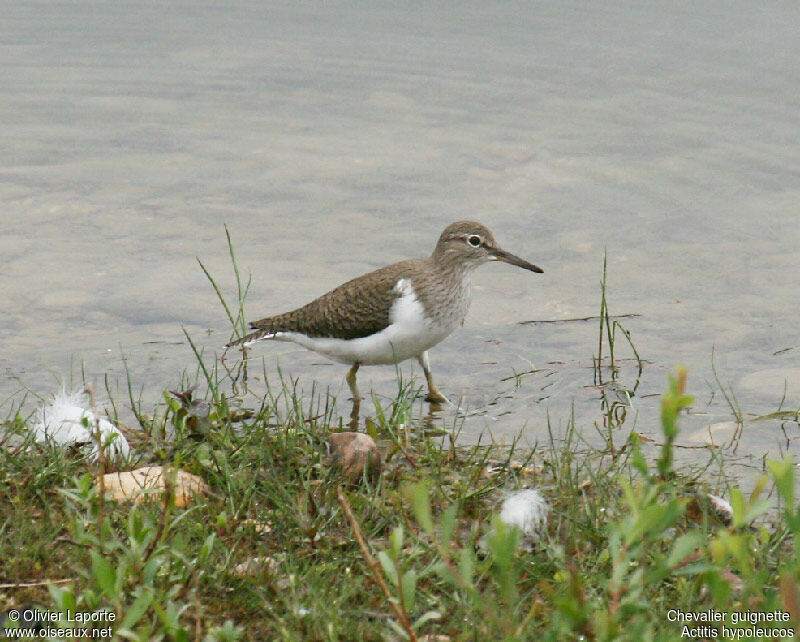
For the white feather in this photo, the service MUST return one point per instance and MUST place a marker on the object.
(527, 510)
(61, 422)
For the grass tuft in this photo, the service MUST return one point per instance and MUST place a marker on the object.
(279, 550)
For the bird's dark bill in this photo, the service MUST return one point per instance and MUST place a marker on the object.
(501, 255)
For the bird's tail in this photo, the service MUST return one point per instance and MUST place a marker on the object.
(258, 335)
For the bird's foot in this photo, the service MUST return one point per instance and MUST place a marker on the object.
(434, 396)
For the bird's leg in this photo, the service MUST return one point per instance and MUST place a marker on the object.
(351, 381)
(434, 396)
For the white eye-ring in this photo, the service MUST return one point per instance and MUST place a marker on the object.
(474, 240)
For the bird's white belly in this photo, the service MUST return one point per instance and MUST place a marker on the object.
(409, 334)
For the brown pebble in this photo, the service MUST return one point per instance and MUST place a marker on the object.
(354, 452)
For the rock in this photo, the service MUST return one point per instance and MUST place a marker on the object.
(150, 483)
(354, 453)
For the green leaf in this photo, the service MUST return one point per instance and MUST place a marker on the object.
(444, 572)
(409, 588)
(121, 574)
(379, 412)
(684, 546)
(448, 523)
(738, 506)
(151, 568)
(639, 462)
(655, 519)
(426, 617)
(502, 542)
(389, 568)
(103, 574)
(372, 430)
(466, 564)
(695, 568)
(422, 507)
(63, 597)
(783, 471)
(205, 550)
(136, 610)
(755, 509)
(399, 630)
(396, 540)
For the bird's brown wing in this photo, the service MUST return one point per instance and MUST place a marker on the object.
(355, 309)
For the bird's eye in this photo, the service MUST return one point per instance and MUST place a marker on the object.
(474, 240)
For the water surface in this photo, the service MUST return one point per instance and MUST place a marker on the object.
(333, 139)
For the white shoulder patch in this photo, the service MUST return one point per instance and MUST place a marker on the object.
(406, 309)
(404, 288)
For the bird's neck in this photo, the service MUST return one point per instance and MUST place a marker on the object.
(452, 265)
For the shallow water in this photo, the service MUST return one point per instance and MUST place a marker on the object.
(335, 139)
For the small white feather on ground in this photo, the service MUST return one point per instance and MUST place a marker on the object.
(527, 510)
(61, 422)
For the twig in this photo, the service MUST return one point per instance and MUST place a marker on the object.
(409, 458)
(589, 318)
(40, 583)
(402, 615)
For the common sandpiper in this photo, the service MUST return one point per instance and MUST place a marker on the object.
(395, 313)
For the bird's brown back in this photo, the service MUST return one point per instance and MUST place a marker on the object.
(353, 310)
